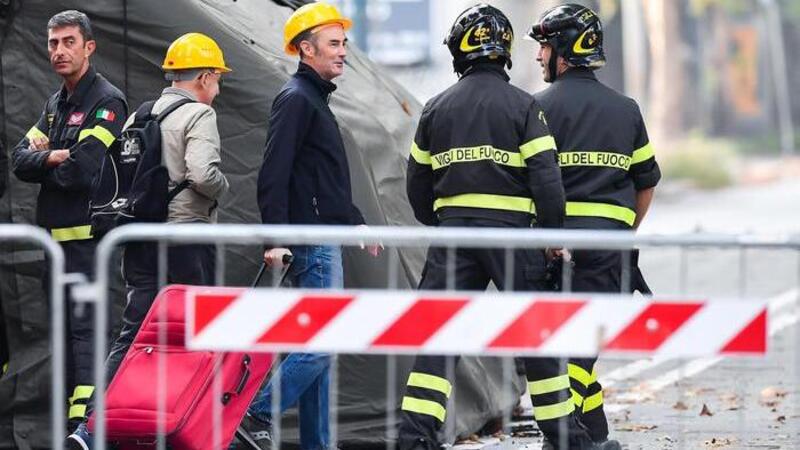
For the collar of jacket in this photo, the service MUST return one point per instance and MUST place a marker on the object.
(583, 73)
(81, 89)
(325, 87)
(179, 92)
(484, 67)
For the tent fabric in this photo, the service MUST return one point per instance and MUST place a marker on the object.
(377, 118)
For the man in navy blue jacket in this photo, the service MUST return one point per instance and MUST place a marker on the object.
(305, 179)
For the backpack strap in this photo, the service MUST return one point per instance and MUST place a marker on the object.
(171, 108)
(161, 116)
(145, 111)
(177, 190)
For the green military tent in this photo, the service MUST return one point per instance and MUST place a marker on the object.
(377, 118)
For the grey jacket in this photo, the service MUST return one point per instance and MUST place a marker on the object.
(190, 148)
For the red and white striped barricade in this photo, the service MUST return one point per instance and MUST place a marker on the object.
(486, 323)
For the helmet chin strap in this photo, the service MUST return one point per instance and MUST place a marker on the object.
(552, 66)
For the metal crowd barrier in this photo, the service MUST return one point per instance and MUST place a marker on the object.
(18, 233)
(393, 239)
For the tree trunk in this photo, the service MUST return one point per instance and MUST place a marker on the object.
(667, 72)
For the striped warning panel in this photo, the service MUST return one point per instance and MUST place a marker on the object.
(409, 322)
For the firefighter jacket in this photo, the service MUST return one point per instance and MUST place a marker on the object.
(603, 149)
(86, 123)
(305, 177)
(483, 150)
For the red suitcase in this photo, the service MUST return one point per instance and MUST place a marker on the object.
(131, 399)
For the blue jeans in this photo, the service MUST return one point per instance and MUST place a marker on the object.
(304, 377)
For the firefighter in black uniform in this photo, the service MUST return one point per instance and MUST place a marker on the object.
(483, 157)
(607, 165)
(62, 152)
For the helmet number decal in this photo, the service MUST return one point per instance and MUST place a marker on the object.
(479, 33)
(586, 44)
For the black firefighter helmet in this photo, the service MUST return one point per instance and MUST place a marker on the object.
(575, 33)
(482, 32)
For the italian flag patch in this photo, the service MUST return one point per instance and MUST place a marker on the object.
(105, 114)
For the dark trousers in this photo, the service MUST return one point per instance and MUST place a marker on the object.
(3, 345)
(79, 258)
(594, 271)
(186, 264)
(423, 411)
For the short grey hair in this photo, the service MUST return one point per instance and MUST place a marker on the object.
(72, 18)
(308, 35)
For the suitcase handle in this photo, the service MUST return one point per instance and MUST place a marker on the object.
(226, 397)
(287, 261)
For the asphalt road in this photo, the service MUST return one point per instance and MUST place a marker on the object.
(730, 403)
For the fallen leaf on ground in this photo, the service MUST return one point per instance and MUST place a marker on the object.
(636, 427)
(705, 411)
(773, 392)
(720, 442)
(680, 406)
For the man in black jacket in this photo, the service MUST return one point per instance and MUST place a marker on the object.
(305, 179)
(483, 157)
(62, 152)
(607, 163)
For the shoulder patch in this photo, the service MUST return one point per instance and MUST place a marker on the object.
(76, 119)
(105, 114)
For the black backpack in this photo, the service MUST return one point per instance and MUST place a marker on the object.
(133, 185)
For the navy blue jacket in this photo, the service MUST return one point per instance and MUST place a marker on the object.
(305, 178)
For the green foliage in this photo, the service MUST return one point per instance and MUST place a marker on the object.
(705, 163)
(700, 7)
(790, 9)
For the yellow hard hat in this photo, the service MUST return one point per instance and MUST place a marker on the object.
(308, 17)
(194, 51)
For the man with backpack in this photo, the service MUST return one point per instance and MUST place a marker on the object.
(62, 152)
(190, 153)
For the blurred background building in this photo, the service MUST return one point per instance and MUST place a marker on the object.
(717, 79)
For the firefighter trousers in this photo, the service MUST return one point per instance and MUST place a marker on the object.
(79, 258)
(594, 271)
(424, 406)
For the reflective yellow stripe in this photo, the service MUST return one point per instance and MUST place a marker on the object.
(536, 146)
(420, 156)
(549, 385)
(593, 402)
(580, 375)
(98, 132)
(80, 233)
(604, 210)
(473, 154)
(643, 154)
(554, 411)
(77, 412)
(487, 201)
(576, 398)
(426, 407)
(82, 392)
(5, 368)
(434, 383)
(35, 133)
(595, 159)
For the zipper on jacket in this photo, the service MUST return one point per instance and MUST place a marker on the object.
(314, 204)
